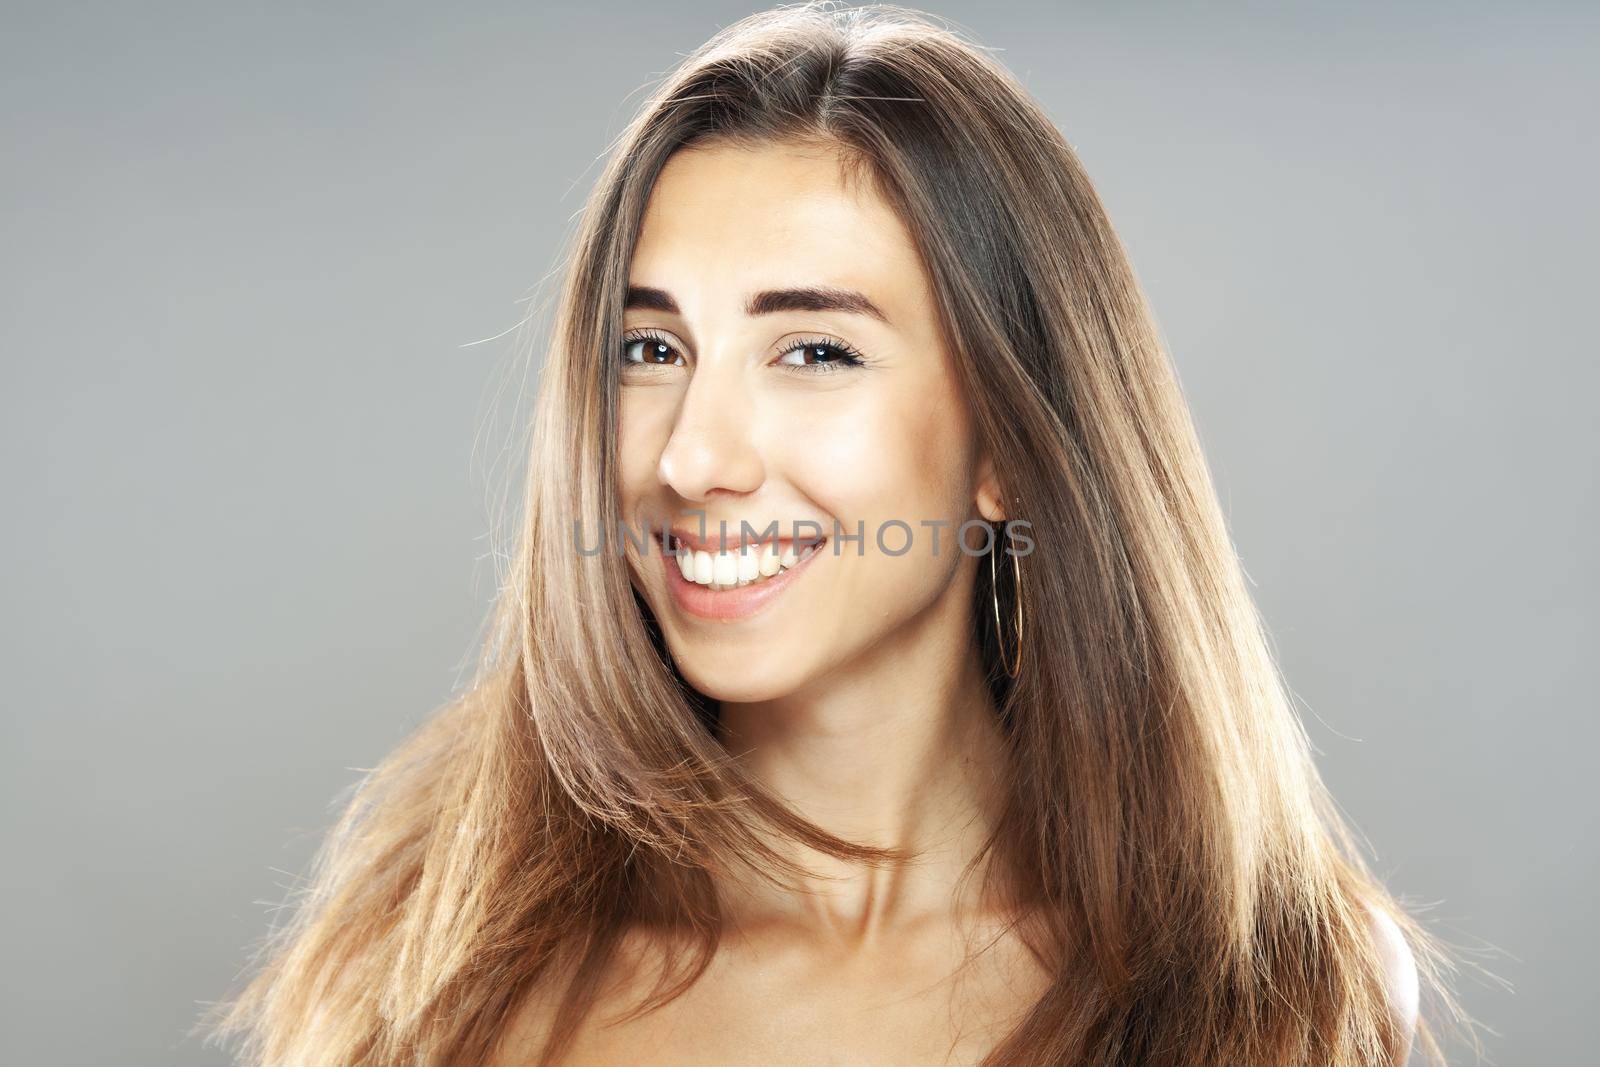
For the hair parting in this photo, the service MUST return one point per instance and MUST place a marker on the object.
(1167, 845)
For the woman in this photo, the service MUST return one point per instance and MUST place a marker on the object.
(772, 774)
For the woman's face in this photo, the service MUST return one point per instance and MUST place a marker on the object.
(783, 363)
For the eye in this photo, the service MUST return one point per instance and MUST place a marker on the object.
(821, 355)
(649, 350)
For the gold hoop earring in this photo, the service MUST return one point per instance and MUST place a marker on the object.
(994, 590)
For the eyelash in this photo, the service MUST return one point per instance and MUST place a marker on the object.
(845, 354)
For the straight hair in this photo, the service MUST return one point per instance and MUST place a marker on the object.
(1169, 851)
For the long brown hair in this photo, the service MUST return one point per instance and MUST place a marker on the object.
(1176, 863)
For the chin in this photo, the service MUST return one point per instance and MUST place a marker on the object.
(741, 679)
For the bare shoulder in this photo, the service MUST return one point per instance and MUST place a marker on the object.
(526, 1027)
(530, 1020)
(1401, 968)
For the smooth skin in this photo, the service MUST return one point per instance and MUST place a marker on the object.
(857, 695)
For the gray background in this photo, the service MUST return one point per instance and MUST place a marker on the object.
(251, 458)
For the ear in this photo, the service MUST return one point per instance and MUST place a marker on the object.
(991, 505)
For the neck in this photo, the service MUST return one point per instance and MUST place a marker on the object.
(900, 748)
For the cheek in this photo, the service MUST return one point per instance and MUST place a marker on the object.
(899, 456)
(644, 423)
(894, 453)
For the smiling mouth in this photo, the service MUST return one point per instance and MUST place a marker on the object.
(749, 565)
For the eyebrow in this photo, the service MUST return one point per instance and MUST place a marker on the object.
(768, 301)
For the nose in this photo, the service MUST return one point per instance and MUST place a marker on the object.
(713, 446)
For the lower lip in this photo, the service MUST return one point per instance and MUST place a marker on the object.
(726, 605)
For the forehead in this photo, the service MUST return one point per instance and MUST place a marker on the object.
(774, 214)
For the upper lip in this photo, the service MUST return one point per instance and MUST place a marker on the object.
(690, 538)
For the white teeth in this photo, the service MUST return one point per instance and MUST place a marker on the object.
(726, 570)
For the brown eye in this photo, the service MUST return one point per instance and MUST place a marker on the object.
(650, 352)
(821, 356)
